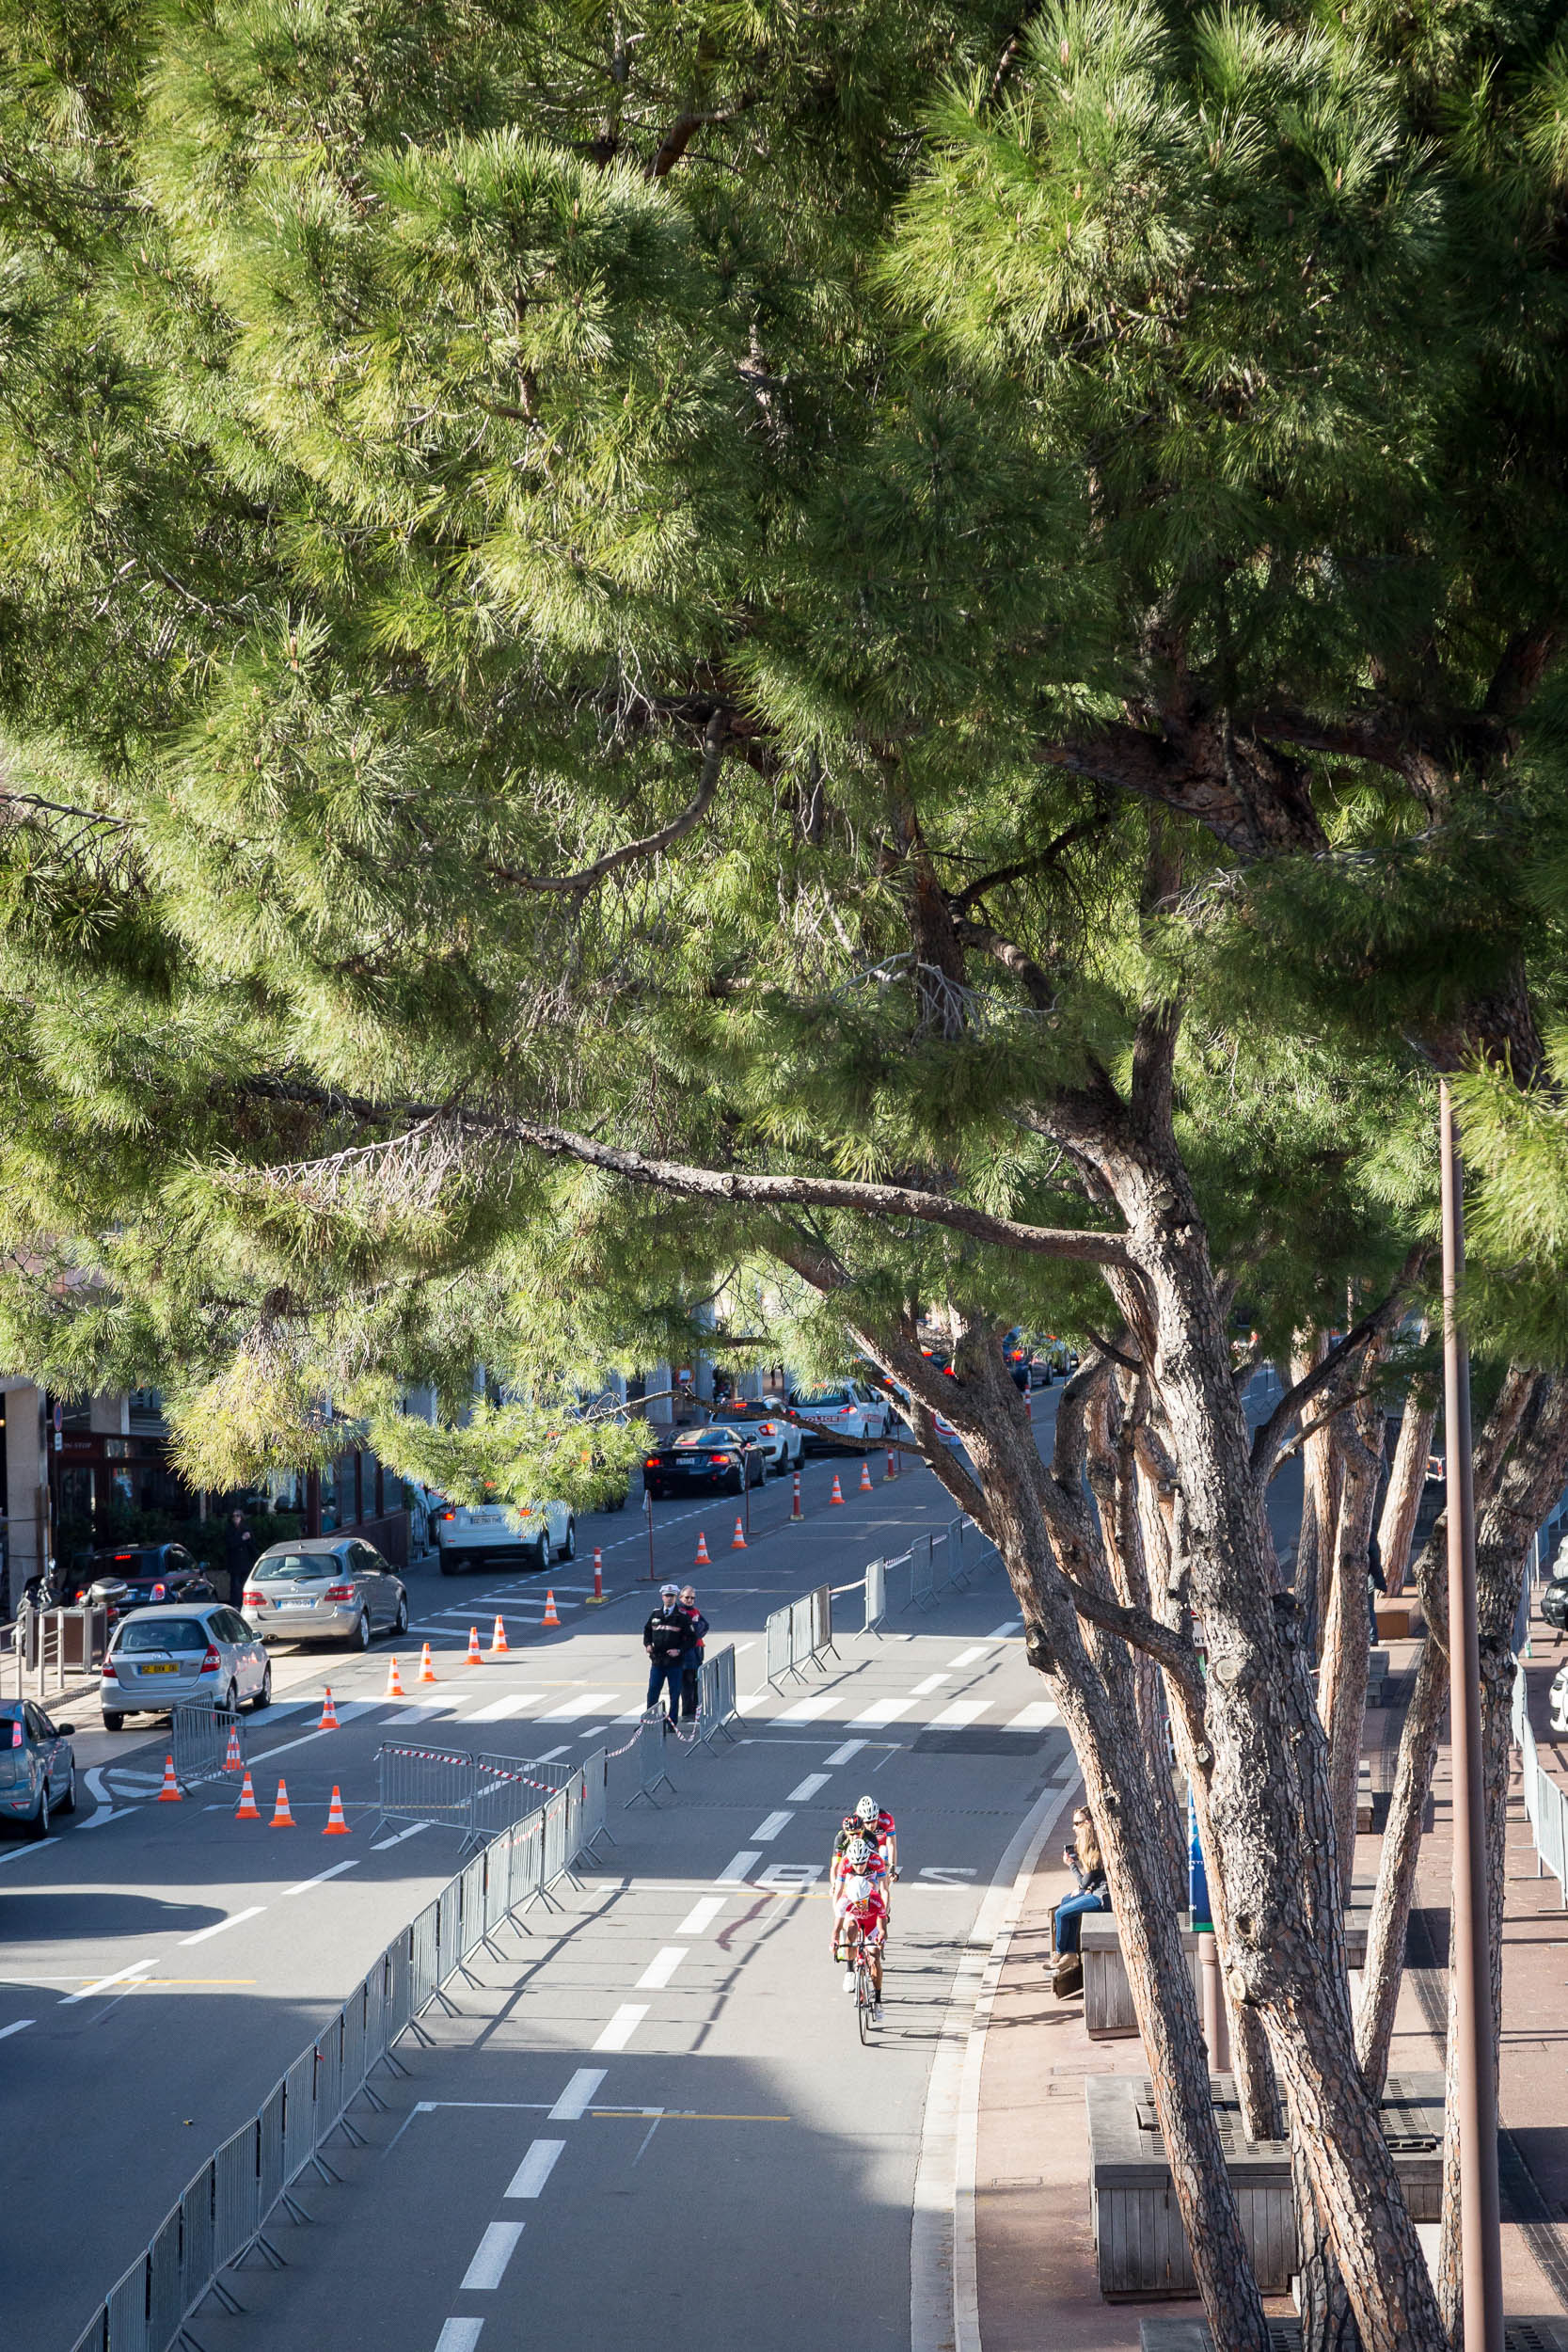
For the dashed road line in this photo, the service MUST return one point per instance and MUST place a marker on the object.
(851, 1748)
(738, 1866)
(804, 1790)
(573, 2104)
(19, 2024)
(235, 1919)
(766, 1831)
(101, 1984)
(660, 1968)
(883, 1711)
(701, 1915)
(397, 1835)
(321, 1876)
(932, 1682)
(961, 1713)
(492, 2254)
(622, 2025)
(532, 2174)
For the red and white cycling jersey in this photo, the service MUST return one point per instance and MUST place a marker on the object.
(862, 1901)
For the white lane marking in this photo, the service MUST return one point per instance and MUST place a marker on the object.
(1009, 1625)
(499, 1710)
(20, 1854)
(970, 1657)
(321, 1876)
(252, 1911)
(422, 1710)
(284, 1747)
(119, 1814)
(399, 1834)
(535, 2170)
(807, 1789)
(750, 1698)
(491, 2255)
(884, 1711)
(19, 2026)
(735, 1870)
(1036, 1716)
(701, 1915)
(769, 1830)
(961, 1712)
(807, 1711)
(622, 2025)
(850, 1748)
(741, 1647)
(593, 1703)
(101, 1984)
(550, 1753)
(572, 2105)
(459, 2335)
(932, 1682)
(661, 1968)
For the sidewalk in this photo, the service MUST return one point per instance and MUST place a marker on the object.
(1035, 2247)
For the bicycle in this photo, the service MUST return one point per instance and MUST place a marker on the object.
(865, 1985)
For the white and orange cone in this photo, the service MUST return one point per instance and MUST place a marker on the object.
(336, 1824)
(476, 1656)
(394, 1683)
(169, 1793)
(738, 1541)
(247, 1809)
(329, 1713)
(703, 1559)
(498, 1640)
(282, 1817)
(837, 1495)
(865, 1478)
(233, 1761)
(427, 1671)
(549, 1616)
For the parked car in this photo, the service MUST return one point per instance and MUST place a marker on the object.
(37, 1766)
(725, 1457)
(1554, 1604)
(324, 1588)
(159, 1658)
(1557, 1698)
(525, 1535)
(849, 1409)
(766, 1420)
(124, 1577)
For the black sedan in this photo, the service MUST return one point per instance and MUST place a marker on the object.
(139, 1576)
(694, 1458)
(1554, 1604)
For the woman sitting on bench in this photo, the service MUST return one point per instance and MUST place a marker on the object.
(1084, 1860)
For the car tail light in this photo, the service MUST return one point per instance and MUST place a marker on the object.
(109, 1671)
(652, 1462)
(447, 1514)
(339, 1591)
(158, 1592)
(768, 1430)
(16, 1731)
(212, 1663)
(253, 1600)
(123, 1559)
(720, 1460)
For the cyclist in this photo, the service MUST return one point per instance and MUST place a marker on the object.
(877, 1824)
(862, 1908)
(858, 1858)
(854, 1833)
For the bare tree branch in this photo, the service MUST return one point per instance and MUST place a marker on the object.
(1271, 1435)
(651, 844)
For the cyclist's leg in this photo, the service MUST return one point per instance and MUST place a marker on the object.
(851, 1952)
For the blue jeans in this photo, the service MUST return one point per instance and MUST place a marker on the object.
(1071, 1910)
(660, 1671)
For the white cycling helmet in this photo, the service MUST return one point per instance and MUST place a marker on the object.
(867, 1809)
(857, 1891)
(857, 1853)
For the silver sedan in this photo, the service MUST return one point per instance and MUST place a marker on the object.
(38, 1767)
(324, 1588)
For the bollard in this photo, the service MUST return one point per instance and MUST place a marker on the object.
(892, 1463)
(599, 1577)
(794, 1510)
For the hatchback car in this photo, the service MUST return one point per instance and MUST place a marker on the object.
(139, 1576)
(766, 1420)
(850, 1411)
(721, 1456)
(159, 1659)
(324, 1588)
(38, 1767)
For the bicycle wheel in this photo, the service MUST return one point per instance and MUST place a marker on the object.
(864, 1999)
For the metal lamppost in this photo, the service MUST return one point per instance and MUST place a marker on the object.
(1475, 2067)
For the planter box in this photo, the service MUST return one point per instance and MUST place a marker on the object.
(1140, 2246)
(1108, 1997)
(1400, 1619)
(1191, 2335)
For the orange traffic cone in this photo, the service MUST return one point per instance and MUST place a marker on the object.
(170, 1792)
(837, 1495)
(498, 1642)
(247, 1809)
(549, 1616)
(329, 1713)
(738, 1541)
(427, 1671)
(394, 1683)
(476, 1656)
(282, 1817)
(233, 1761)
(336, 1825)
(865, 1478)
(703, 1559)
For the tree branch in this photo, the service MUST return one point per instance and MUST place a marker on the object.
(707, 786)
(1270, 1437)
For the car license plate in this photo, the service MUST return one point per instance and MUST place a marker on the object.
(159, 1670)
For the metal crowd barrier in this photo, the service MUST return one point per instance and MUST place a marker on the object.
(435, 1785)
(717, 1708)
(53, 1645)
(1545, 1803)
(802, 1634)
(200, 1742)
(224, 2213)
(648, 1759)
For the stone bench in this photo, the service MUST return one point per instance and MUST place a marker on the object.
(1140, 2246)
(1191, 2335)
(1108, 2014)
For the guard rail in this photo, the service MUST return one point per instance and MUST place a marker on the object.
(1546, 1801)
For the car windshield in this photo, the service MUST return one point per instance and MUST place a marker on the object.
(127, 1567)
(808, 1397)
(294, 1567)
(708, 1436)
(157, 1633)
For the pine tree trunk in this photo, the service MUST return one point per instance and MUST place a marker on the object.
(1402, 1504)
(1347, 1633)
(1402, 1846)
